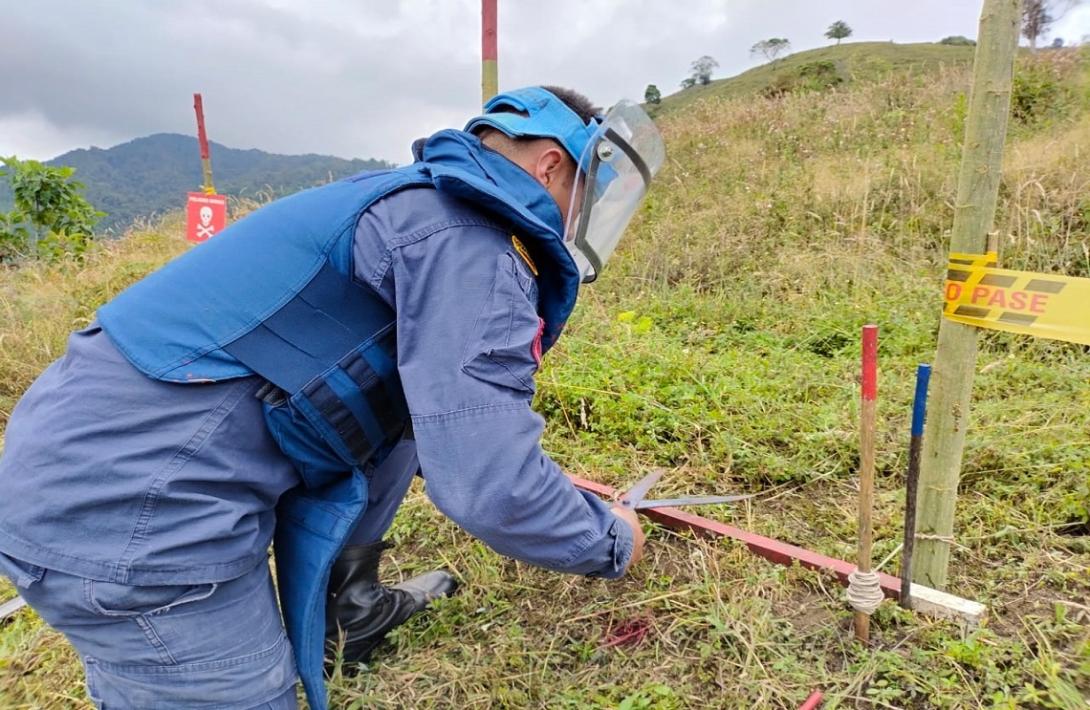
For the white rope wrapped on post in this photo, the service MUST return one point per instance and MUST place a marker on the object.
(865, 591)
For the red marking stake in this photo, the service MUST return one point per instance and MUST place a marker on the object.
(206, 212)
(490, 73)
(489, 51)
(870, 362)
(869, 393)
(202, 137)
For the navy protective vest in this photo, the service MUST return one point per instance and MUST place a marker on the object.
(273, 295)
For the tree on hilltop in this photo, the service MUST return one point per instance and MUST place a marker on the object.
(838, 30)
(652, 95)
(771, 48)
(1036, 20)
(1039, 15)
(702, 70)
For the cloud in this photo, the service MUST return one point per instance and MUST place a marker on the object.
(1073, 26)
(31, 134)
(363, 79)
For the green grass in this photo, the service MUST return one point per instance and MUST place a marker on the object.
(858, 62)
(723, 344)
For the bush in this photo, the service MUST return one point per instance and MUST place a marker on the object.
(1041, 91)
(958, 41)
(812, 76)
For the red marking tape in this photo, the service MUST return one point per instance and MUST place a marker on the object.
(870, 362)
(628, 633)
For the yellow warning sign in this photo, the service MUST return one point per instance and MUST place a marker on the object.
(1043, 305)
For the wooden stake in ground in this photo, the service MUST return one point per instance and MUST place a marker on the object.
(866, 465)
(202, 142)
(912, 479)
(955, 358)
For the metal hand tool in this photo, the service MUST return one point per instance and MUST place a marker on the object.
(633, 498)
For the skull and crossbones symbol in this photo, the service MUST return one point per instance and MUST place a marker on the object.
(205, 228)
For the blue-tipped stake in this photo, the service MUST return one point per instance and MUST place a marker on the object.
(919, 404)
(919, 414)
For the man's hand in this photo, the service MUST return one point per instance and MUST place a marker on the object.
(633, 520)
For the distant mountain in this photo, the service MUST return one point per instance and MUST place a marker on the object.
(151, 175)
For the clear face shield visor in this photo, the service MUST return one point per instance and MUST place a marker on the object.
(616, 170)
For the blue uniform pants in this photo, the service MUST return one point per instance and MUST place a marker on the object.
(216, 645)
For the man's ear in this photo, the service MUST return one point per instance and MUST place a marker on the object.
(550, 166)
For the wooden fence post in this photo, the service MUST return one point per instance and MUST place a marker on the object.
(974, 215)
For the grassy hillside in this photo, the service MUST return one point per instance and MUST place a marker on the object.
(722, 344)
(859, 62)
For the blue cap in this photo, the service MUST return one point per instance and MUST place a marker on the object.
(546, 117)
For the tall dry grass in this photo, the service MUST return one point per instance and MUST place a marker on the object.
(42, 302)
(862, 174)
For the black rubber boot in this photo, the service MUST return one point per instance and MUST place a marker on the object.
(360, 611)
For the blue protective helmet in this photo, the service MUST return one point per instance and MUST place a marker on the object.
(546, 117)
(617, 156)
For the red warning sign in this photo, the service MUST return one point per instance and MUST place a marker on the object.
(206, 216)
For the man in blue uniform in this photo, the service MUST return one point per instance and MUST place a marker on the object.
(283, 383)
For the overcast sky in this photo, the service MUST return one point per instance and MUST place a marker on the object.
(363, 78)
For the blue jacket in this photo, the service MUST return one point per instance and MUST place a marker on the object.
(437, 248)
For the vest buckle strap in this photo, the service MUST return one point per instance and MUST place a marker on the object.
(330, 355)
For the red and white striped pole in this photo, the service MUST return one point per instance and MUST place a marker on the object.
(490, 73)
